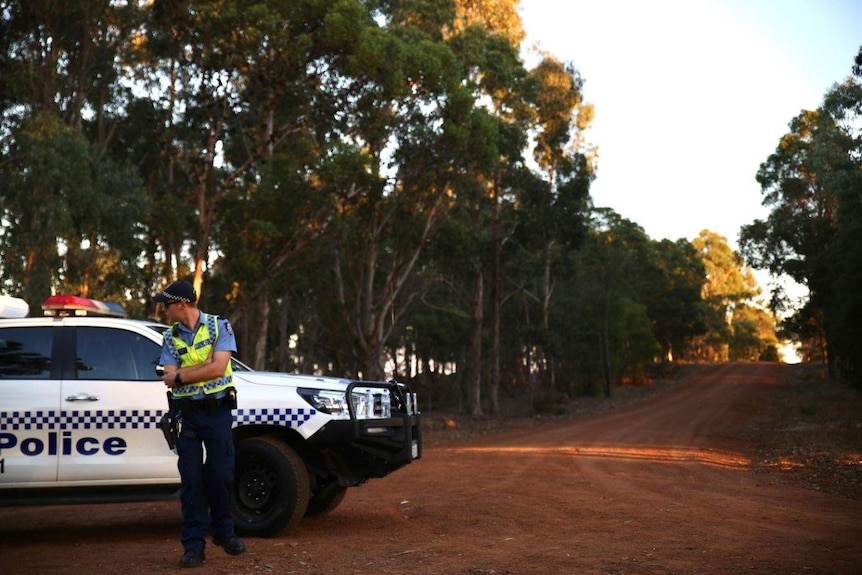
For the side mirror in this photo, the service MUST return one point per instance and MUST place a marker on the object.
(160, 370)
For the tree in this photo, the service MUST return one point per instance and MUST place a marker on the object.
(844, 104)
(675, 277)
(753, 337)
(613, 317)
(66, 185)
(404, 82)
(811, 183)
(239, 83)
(556, 212)
(728, 284)
(487, 38)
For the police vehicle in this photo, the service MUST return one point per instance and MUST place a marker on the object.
(81, 405)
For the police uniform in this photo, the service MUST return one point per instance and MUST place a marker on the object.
(204, 410)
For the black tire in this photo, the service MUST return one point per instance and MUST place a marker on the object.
(271, 487)
(325, 501)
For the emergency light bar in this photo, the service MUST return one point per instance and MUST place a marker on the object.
(13, 307)
(66, 305)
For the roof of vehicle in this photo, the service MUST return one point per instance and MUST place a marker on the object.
(90, 321)
(72, 310)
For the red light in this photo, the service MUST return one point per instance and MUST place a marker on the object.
(65, 305)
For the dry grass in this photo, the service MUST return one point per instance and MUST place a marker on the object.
(810, 434)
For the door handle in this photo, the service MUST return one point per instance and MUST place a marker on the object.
(82, 397)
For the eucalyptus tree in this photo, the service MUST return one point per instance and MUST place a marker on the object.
(844, 104)
(68, 200)
(728, 284)
(674, 279)
(486, 40)
(520, 102)
(753, 337)
(400, 78)
(615, 322)
(437, 148)
(259, 98)
(358, 112)
(555, 215)
(551, 228)
(236, 79)
(811, 184)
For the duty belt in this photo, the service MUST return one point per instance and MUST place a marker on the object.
(210, 402)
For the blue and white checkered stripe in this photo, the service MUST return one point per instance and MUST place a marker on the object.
(61, 420)
(292, 418)
(137, 419)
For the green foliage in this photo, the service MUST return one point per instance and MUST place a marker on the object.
(675, 277)
(557, 93)
(634, 343)
(753, 335)
(347, 181)
(734, 329)
(57, 192)
(811, 184)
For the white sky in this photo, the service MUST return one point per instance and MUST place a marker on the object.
(692, 95)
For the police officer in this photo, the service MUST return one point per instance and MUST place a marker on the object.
(196, 356)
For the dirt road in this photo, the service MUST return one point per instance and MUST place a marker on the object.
(665, 486)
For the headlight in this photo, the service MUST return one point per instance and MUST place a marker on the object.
(367, 403)
(326, 401)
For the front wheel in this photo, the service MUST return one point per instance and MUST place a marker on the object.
(325, 501)
(271, 487)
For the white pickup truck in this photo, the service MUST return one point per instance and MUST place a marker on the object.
(81, 405)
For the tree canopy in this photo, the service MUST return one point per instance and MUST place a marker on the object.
(811, 184)
(376, 189)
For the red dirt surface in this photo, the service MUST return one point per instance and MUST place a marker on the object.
(674, 484)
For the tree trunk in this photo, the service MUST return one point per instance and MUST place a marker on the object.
(494, 384)
(831, 361)
(474, 354)
(283, 337)
(547, 289)
(261, 332)
(604, 347)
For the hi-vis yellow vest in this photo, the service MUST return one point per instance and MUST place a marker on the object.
(196, 354)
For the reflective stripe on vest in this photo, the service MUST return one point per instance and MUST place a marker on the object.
(197, 353)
